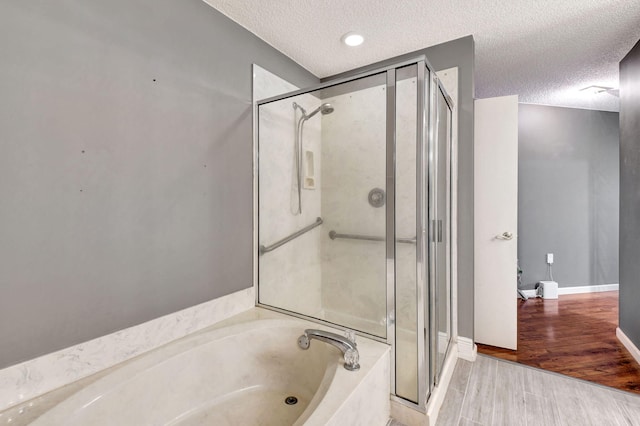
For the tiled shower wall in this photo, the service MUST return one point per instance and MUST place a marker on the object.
(340, 280)
(353, 155)
(290, 276)
(353, 158)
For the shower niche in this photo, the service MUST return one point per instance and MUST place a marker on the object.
(353, 213)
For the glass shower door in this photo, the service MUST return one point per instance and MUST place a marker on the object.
(407, 153)
(322, 158)
(442, 227)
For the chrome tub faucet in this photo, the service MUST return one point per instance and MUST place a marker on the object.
(347, 345)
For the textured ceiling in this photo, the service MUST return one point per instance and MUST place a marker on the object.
(542, 50)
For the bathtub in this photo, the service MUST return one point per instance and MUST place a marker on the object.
(247, 370)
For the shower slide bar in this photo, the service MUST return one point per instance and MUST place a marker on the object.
(334, 235)
(267, 249)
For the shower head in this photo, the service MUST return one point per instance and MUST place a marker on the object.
(324, 109)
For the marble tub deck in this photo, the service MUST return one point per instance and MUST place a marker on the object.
(349, 394)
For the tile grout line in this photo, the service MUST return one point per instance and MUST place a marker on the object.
(615, 403)
(619, 406)
(616, 418)
(493, 400)
(466, 389)
(524, 399)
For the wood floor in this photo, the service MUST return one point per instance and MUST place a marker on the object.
(574, 335)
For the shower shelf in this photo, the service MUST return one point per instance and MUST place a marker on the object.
(266, 249)
(334, 235)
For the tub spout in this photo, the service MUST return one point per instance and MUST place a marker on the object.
(347, 346)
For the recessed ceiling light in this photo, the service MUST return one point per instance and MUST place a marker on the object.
(352, 39)
(594, 90)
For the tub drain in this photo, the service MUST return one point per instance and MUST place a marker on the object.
(291, 400)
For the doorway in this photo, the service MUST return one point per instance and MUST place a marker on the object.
(568, 180)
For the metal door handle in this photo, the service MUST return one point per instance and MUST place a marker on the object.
(505, 236)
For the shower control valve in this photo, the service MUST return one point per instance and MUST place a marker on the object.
(377, 197)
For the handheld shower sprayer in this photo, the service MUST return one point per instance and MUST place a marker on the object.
(324, 109)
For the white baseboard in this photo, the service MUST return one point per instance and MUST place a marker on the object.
(467, 350)
(579, 289)
(633, 349)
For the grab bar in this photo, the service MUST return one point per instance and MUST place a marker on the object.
(267, 249)
(333, 235)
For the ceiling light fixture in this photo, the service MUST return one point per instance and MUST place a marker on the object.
(594, 90)
(352, 39)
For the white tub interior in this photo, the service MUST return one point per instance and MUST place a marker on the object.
(237, 372)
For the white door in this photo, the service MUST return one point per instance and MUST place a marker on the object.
(496, 221)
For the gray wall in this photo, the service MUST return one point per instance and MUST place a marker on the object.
(630, 194)
(568, 192)
(126, 165)
(456, 53)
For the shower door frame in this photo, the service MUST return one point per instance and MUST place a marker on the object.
(433, 167)
(425, 136)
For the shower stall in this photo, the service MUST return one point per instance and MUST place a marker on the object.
(354, 213)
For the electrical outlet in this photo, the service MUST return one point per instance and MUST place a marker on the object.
(550, 258)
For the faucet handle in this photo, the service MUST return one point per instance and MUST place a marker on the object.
(351, 360)
(351, 335)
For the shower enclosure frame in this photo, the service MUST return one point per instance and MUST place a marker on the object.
(427, 86)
